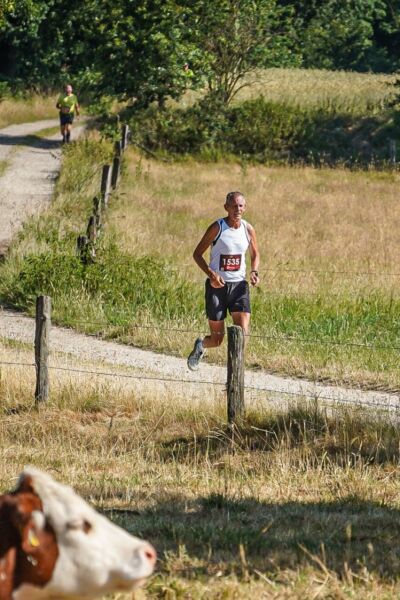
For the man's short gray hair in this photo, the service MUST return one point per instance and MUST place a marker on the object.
(234, 196)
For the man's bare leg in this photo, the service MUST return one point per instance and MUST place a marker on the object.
(68, 132)
(243, 320)
(210, 341)
(217, 331)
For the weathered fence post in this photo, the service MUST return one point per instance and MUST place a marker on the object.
(235, 384)
(82, 244)
(97, 211)
(124, 137)
(105, 184)
(392, 152)
(116, 167)
(118, 148)
(91, 233)
(42, 340)
(92, 229)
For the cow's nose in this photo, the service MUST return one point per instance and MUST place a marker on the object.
(150, 554)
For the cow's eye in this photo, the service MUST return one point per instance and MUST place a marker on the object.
(80, 524)
(86, 526)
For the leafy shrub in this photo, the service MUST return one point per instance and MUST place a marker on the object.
(119, 284)
(265, 131)
(5, 90)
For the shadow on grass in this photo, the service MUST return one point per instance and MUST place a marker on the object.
(344, 438)
(346, 534)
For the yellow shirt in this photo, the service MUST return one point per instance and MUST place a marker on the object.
(67, 103)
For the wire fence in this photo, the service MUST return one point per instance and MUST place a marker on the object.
(390, 403)
(270, 337)
(194, 332)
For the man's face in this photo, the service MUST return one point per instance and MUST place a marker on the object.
(68, 89)
(235, 208)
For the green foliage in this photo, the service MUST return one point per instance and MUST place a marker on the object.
(136, 49)
(119, 286)
(5, 90)
(264, 131)
(238, 36)
(348, 34)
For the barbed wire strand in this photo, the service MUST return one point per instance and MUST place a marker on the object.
(302, 394)
(281, 338)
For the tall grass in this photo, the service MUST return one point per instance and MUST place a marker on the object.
(332, 91)
(34, 108)
(302, 503)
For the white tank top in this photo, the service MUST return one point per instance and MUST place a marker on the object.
(228, 251)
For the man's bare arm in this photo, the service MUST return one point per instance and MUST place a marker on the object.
(202, 246)
(254, 256)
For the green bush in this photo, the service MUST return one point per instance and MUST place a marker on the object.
(265, 131)
(116, 284)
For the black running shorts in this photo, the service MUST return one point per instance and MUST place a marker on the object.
(233, 296)
(66, 119)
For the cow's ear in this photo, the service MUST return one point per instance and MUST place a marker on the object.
(8, 548)
(25, 484)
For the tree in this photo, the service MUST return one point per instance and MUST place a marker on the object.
(363, 35)
(239, 36)
(144, 45)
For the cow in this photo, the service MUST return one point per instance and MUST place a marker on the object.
(53, 545)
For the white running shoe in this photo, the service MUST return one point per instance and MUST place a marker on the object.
(196, 355)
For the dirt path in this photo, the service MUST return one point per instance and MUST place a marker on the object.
(105, 355)
(26, 187)
(27, 184)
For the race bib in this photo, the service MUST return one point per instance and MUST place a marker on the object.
(230, 262)
(65, 110)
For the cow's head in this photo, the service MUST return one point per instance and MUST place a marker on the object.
(53, 544)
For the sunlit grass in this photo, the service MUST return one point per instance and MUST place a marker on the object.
(303, 502)
(332, 91)
(328, 301)
(36, 107)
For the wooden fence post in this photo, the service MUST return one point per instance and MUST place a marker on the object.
(124, 137)
(116, 168)
(105, 184)
(235, 384)
(92, 229)
(97, 211)
(82, 247)
(392, 152)
(42, 340)
(118, 148)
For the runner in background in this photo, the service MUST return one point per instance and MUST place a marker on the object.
(68, 106)
(226, 286)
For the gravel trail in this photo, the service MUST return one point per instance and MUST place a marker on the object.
(26, 188)
(106, 354)
(28, 182)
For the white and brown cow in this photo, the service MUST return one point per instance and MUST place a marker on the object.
(54, 545)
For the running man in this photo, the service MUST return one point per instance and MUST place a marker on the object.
(68, 105)
(226, 286)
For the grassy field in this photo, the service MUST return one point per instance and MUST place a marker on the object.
(328, 304)
(303, 504)
(13, 111)
(329, 257)
(355, 93)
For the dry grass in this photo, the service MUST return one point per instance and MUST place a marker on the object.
(37, 107)
(351, 92)
(300, 505)
(330, 250)
(328, 220)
